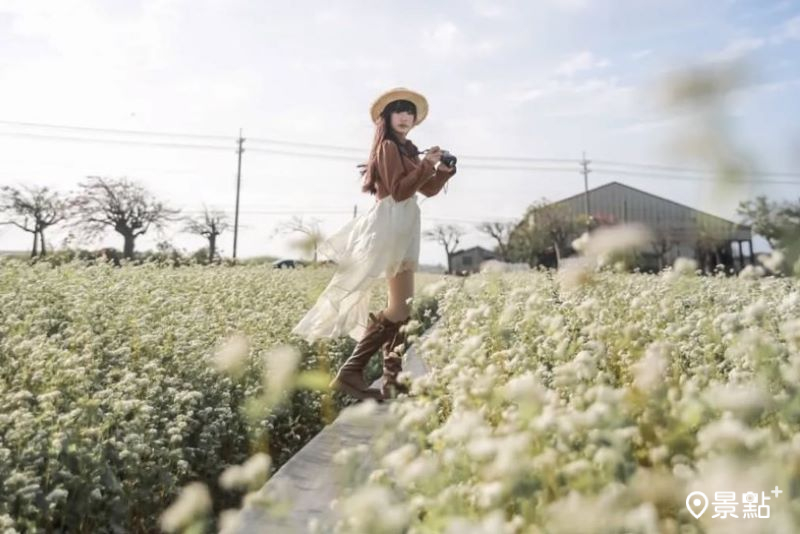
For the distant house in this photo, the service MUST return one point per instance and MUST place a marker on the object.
(469, 260)
(680, 230)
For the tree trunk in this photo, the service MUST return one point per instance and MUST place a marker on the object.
(449, 263)
(129, 243)
(35, 244)
(41, 238)
(558, 254)
(212, 248)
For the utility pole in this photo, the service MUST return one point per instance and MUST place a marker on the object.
(238, 188)
(586, 171)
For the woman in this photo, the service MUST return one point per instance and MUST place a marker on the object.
(384, 242)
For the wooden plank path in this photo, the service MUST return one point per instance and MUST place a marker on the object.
(311, 480)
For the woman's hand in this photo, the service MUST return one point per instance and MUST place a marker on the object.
(434, 155)
(445, 168)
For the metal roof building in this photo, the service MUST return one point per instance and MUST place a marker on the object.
(680, 230)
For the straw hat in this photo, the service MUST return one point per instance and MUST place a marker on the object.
(400, 93)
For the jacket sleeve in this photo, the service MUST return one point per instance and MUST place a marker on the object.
(435, 185)
(401, 185)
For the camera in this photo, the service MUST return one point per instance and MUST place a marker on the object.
(448, 159)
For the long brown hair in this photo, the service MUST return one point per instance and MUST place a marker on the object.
(383, 131)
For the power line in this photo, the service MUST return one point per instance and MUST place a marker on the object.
(115, 141)
(116, 131)
(307, 145)
(270, 212)
(490, 167)
(661, 176)
(352, 159)
(688, 169)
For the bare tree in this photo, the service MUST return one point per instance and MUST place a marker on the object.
(447, 235)
(33, 210)
(210, 226)
(122, 205)
(500, 232)
(311, 237)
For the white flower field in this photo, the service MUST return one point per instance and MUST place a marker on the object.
(142, 398)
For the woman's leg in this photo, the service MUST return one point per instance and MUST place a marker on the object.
(380, 329)
(401, 288)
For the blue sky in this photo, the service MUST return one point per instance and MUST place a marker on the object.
(545, 79)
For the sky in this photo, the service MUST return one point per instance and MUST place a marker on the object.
(551, 79)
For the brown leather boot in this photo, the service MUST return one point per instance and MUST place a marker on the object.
(350, 378)
(393, 361)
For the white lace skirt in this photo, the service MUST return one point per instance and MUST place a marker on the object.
(377, 244)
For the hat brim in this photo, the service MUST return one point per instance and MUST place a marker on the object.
(400, 93)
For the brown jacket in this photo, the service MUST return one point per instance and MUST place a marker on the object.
(403, 174)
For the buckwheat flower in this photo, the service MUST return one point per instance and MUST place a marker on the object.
(575, 272)
(489, 494)
(683, 472)
(747, 400)
(379, 477)
(256, 469)
(399, 458)
(432, 289)
(751, 272)
(773, 261)
(461, 425)
(754, 313)
(373, 509)
(607, 457)
(576, 467)
(650, 370)
(230, 521)
(684, 266)
(231, 357)
(621, 237)
(348, 454)
(524, 389)
(790, 303)
(729, 433)
(791, 332)
(232, 477)
(658, 454)
(482, 448)
(58, 494)
(580, 514)
(280, 367)
(421, 468)
(193, 502)
(511, 455)
(416, 417)
(470, 346)
(643, 519)
(580, 243)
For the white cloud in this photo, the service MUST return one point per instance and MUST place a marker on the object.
(738, 49)
(569, 5)
(565, 97)
(641, 54)
(581, 61)
(446, 40)
(788, 31)
(489, 9)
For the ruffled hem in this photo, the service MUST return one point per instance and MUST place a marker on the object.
(379, 244)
